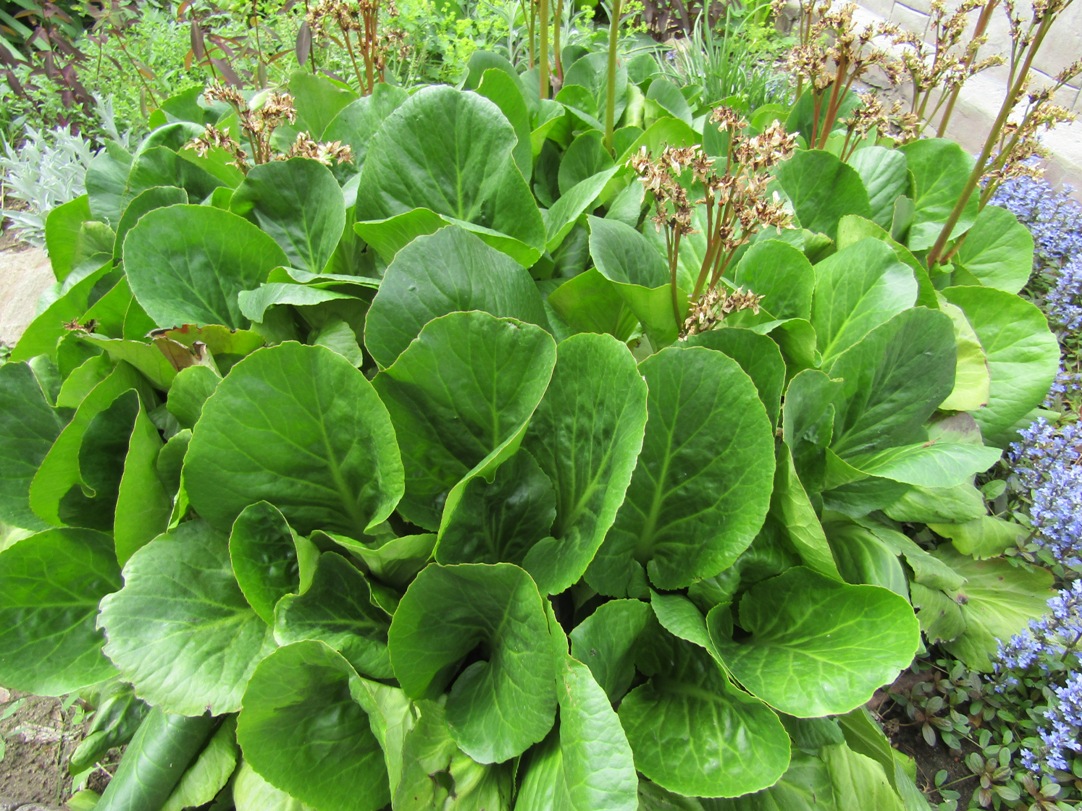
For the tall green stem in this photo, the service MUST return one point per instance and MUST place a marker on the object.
(1009, 102)
(543, 24)
(610, 95)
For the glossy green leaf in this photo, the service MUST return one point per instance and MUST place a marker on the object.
(856, 290)
(324, 453)
(1023, 356)
(817, 646)
(894, 379)
(264, 556)
(252, 793)
(211, 770)
(151, 199)
(997, 600)
(576, 201)
(28, 428)
(885, 176)
(702, 487)
(588, 302)
(805, 786)
(498, 706)
(586, 435)
(337, 609)
(186, 264)
(940, 169)
(358, 121)
(499, 520)
(450, 152)
(465, 387)
(823, 190)
(930, 464)
(395, 561)
(694, 733)
(793, 510)
(983, 537)
(757, 355)
(607, 642)
(639, 276)
(436, 774)
(779, 273)
(188, 393)
(180, 630)
(144, 356)
(303, 731)
(299, 204)
(78, 479)
(864, 559)
(505, 91)
(446, 272)
(586, 763)
(584, 158)
(997, 252)
(972, 379)
(62, 231)
(50, 585)
(143, 504)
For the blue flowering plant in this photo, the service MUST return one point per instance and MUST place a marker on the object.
(1038, 672)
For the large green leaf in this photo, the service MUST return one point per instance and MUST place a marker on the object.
(781, 274)
(180, 630)
(446, 272)
(436, 774)
(928, 464)
(79, 479)
(29, 426)
(997, 601)
(337, 609)
(857, 290)
(629, 260)
(586, 435)
(72, 302)
(885, 177)
(696, 734)
(497, 707)
(187, 264)
(499, 520)
(586, 763)
(893, 380)
(450, 152)
(264, 556)
(940, 169)
(997, 252)
(823, 190)
(299, 204)
(301, 428)
(465, 387)
(689, 511)
(791, 508)
(817, 646)
(143, 503)
(210, 771)
(252, 793)
(758, 356)
(359, 120)
(565, 212)
(50, 586)
(607, 642)
(302, 730)
(1023, 356)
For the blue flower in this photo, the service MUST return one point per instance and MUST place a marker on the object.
(1048, 463)
(1054, 218)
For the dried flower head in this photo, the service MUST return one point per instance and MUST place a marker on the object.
(711, 308)
(323, 151)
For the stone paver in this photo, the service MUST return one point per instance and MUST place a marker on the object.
(24, 276)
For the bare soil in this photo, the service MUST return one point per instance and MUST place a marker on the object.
(38, 736)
